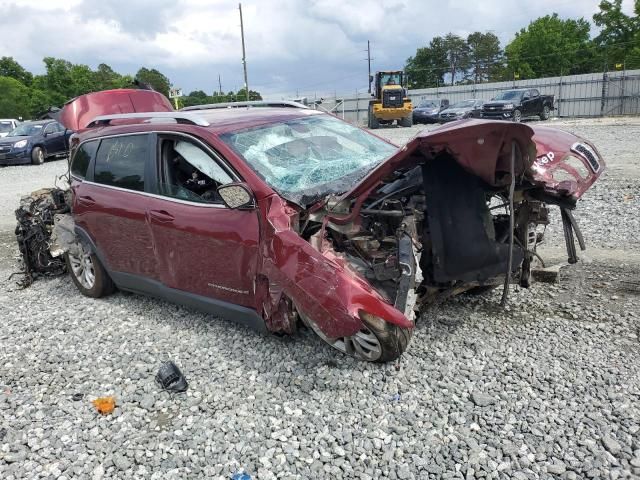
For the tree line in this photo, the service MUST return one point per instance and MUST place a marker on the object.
(28, 96)
(548, 46)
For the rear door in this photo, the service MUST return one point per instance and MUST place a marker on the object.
(110, 204)
(203, 247)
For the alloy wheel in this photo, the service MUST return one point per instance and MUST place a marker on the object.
(364, 345)
(82, 267)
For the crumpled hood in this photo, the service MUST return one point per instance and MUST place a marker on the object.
(80, 111)
(482, 147)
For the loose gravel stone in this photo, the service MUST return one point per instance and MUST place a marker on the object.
(559, 368)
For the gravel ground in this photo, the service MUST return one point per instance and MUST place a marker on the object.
(548, 388)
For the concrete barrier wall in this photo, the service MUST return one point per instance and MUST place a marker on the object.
(588, 95)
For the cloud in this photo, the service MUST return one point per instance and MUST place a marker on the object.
(312, 47)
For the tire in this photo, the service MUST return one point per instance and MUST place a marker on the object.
(406, 121)
(376, 344)
(88, 274)
(372, 120)
(546, 113)
(37, 156)
(517, 116)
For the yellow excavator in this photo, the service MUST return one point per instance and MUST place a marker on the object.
(390, 100)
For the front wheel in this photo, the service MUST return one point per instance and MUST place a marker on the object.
(517, 116)
(545, 113)
(372, 120)
(87, 273)
(37, 156)
(372, 343)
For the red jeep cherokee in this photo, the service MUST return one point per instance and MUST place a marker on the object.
(274, 214)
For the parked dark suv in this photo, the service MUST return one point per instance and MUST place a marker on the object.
(33, 142)
(273, 214)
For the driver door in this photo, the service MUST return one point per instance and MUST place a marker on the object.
(202, 247)
(54, 138)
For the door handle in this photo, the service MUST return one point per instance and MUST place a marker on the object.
(86, 201)
(161, 216)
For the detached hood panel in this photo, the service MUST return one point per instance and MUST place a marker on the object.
(481, 147)
(80, 111)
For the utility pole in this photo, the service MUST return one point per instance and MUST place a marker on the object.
(244, 55)
(369, 63)
(219, 85)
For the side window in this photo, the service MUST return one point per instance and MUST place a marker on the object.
(58, 127)
(49, 129)
(535, 93)
(188, 172)
(82, 158)
(120, 162)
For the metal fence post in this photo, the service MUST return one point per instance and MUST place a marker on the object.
(605, 80)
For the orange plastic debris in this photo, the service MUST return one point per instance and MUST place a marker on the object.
(104, 405)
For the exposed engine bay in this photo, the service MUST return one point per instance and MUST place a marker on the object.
(434, 229)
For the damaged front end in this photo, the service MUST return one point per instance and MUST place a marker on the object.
(435, 219)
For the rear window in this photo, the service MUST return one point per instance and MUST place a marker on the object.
(82, 158)
(120, 162)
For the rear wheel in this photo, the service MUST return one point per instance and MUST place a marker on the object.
(517, 116)
(545, 113)
(37, 156)
(372, 343)
(406, 121)
(88, 274)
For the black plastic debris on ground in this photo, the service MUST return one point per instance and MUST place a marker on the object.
(35, 218)
(170, 378)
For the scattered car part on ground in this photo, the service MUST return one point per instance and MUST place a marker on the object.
(36, 222)
(331, 226)
(104, 405)
(170, 378)
(34, 142)
(471, 108)
(428, 110)
(517, 104)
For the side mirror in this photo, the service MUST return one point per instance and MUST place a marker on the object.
(237, 196)
(525, 98)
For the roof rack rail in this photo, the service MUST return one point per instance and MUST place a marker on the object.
(179, 117)
(255, 103)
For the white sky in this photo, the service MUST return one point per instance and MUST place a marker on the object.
(293, 46)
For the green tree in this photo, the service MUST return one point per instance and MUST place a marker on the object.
(457, 55)
(105, 78)
(10, 68)
(241, 95)
(485, 56)
(619, 37)
(14, 101)
(551, 46)
(157, 80)
(427, 67)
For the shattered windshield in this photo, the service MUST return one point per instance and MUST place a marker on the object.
(307, 158)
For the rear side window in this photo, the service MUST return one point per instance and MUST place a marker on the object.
(81, 160)
(120, 162)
